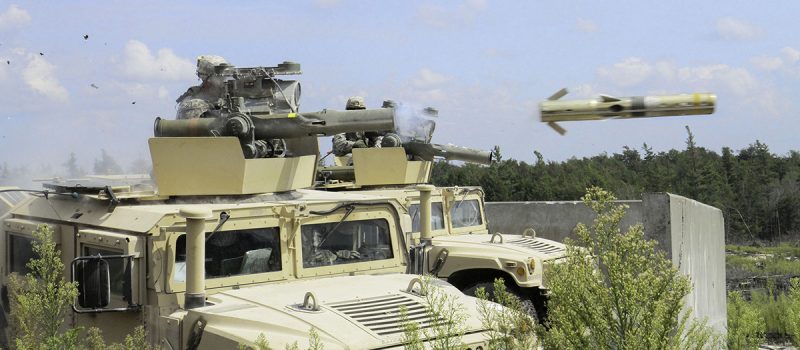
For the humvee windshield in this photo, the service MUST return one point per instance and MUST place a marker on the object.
(437, 216)
(230, 253)
(347, 242)
(466, 213)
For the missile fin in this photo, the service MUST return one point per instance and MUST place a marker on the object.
(557, 128)
(607, 98)
(558, 94)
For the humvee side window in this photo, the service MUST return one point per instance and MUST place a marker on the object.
(346, 242)
(437, 216)
(230, 253)
(117, 275)
(20, 251)
(466, 213)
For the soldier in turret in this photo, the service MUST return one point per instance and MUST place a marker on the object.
(344, 143)
(204, 97)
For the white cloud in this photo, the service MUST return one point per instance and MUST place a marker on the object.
(14, 17)
(786, 62)
(443, 17)
(791, 54)
(737, 80)
(40, 76)
(667, 77)
(428, 78)
(629, 72)
(138, 62)
(586, 25)
(736, 29)
(767, 63)
(163, 92)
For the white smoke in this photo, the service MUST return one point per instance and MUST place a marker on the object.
(414, 123)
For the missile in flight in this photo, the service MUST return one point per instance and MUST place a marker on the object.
(609, 107)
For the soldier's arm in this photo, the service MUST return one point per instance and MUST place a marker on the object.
(341, 146)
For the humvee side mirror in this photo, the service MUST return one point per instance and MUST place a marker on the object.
(93, 275)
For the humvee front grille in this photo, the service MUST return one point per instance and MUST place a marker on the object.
(382, 314)
(537, 244)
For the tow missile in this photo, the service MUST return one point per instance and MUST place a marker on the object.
(609, 107)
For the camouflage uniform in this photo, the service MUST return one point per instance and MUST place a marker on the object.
(344, 143)
(199, 99)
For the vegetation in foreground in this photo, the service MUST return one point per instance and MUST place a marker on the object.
(616, 291)
(41, 300)
(768, 316)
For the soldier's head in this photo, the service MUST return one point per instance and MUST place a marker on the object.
(355, 102)
(207, 65)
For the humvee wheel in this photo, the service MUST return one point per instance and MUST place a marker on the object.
(526, 304)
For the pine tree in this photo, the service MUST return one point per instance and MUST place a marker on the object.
(106, 165)
(71, 166)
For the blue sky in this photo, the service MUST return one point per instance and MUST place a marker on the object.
(485, 65)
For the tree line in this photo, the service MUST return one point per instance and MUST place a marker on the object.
(757, 191)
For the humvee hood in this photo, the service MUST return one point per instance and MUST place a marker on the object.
(540, 248)
(357, 312)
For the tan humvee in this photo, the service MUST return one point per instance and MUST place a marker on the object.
(460, 248)
(233, 249)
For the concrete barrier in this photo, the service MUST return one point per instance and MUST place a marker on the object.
(689, 232)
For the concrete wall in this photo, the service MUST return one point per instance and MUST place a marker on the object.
(689, 232)
(551, 220)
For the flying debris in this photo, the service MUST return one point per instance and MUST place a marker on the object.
(8, 62)
(86, 37)
(94, 86)
(41, 53)
(610, 107)
(133, 103)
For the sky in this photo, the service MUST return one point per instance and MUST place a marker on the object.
(485, 65)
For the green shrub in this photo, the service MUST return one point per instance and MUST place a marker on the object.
(616, 291)
(510, 327)
(447, 332)
(793, 311)
(41, 300)
(746, 326)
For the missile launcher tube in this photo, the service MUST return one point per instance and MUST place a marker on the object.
(283, 126)
(427, 151)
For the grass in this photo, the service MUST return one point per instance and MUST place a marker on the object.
(748, 261)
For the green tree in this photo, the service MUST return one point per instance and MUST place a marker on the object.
(5, 174)
(793, 311)
(617, 292)
(71, 166)
(746, 327)
(106, 165)
(510, 327)
(41, 299)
